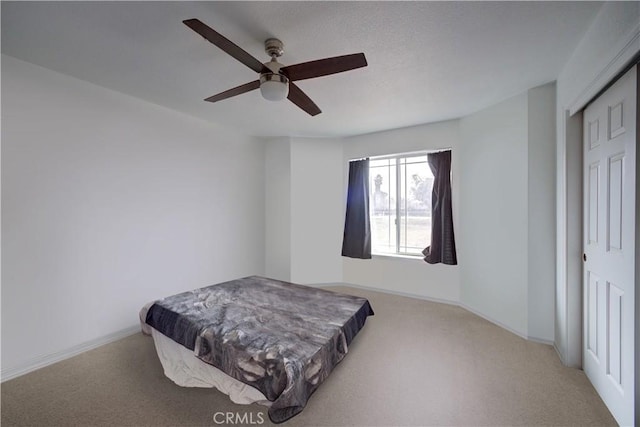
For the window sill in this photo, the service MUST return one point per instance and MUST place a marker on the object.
(398, 256)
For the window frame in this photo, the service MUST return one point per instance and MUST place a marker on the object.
(398, 203)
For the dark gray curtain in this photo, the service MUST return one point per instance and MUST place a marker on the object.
(357, 229)
(443, 245)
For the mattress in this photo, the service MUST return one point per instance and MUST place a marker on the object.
(280, 338)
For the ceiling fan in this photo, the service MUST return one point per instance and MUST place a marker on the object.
(276, 80)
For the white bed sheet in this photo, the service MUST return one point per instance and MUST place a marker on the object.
(182, 367)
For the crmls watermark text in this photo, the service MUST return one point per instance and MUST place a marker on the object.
(236, 418)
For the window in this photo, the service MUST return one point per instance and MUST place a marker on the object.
(400, 204)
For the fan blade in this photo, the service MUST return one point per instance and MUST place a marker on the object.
(225, 44)
(324, 67)
(298, 97)
(235, 91)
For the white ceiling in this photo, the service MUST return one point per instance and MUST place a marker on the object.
(428, 61)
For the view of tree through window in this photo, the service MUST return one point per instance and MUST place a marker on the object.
(400, 205)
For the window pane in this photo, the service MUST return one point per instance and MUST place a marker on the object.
(382, 174)
(400, 205)
(415, 216)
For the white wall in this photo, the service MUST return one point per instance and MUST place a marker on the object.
(303, 188)
(493, 238)
(277, 189)
(109, 202)
(316, 210)
(507, 213)
(541, 212)
(568, 309)
(608, 45)
(410, 276)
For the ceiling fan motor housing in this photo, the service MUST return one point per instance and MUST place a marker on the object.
(274, 47)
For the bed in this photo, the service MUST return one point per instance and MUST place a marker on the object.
(255, 339)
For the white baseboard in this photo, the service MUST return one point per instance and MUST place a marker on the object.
(495, 322)
(49, 359)
(444, 301)
(324, 285)
(555, 347)
(398, 293)
(542, 341)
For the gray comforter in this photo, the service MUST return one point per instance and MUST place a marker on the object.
(281, 338)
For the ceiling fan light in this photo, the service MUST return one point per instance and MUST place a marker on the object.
(274, 87)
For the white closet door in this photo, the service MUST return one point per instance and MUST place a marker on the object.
(609, 245)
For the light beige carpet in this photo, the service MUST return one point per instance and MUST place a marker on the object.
(415, 363)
